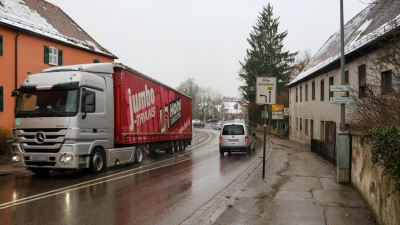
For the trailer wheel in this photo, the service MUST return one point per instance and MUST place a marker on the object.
(183, 145)
(97, 161)
(171, 148)
(139, 155)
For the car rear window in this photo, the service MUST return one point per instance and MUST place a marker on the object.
(233, 130)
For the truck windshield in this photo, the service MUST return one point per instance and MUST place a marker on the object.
(47, 103)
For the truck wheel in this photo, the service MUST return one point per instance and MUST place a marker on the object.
(183, 146)
(139, 155)
(40, 171)
(97, 161)
(171, 149)
(221, 152)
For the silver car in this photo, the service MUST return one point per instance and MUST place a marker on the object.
(236, 137)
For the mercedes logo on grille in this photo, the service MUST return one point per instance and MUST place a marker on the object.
(40, 137)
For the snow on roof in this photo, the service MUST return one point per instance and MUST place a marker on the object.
(372, 22)
(46, 19)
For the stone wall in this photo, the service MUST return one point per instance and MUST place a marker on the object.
(376, 188)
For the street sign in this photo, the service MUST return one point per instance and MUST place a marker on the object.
(339, 100)
(266, 90)
(277, 112)
(286, 111)
(264, 115)
(340, 88)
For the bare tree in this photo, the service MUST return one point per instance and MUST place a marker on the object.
(301, 61)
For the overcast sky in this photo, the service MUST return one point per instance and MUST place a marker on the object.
(174, 40)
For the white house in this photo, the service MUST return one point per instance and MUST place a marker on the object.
(312, 115)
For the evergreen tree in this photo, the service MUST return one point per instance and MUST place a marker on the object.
(266, 57)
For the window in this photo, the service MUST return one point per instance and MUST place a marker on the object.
(1, 99)
(386, 82)
(313, 91)
(53, 56)
(296, 96)
(297, 124)
(306, 126)
(301, 126)
(1, 45)
(362, 81)
(322, 90)
(306, 94)
(301, 93)
(330, 83)
(88, 101)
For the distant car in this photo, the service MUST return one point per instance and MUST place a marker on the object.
(197, 124)
(212, 120)
(236, 137)
(218, 126)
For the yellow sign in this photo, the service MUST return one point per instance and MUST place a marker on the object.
(277, 108)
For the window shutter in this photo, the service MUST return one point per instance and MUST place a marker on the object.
(1, 100)
(60, 57)
(1, 44)
(46, 54)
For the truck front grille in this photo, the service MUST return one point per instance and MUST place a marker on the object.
(41, 140)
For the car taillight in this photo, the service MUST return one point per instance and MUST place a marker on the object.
(246, 139)
(220, 139)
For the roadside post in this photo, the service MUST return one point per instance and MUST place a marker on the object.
(265, 95)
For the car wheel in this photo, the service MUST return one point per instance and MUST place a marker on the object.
(221, 152)
(254, 148)
(248, 150)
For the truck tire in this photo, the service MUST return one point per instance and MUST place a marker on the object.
(183, 145)
(171, 149)
(40, 171)
(97, 161)
(139, 155)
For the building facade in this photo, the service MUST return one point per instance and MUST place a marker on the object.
(34, 35)
(313, 115)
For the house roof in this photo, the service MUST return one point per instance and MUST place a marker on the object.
(372, 22)
(45, 19)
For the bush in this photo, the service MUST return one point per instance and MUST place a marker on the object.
(5, 136)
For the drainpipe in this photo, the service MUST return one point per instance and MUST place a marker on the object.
(16, 60)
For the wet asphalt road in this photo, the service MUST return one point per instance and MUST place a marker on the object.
(163, 190)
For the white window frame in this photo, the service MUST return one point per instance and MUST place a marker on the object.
(53, 56)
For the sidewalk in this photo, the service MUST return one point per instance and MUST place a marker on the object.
(299, 188)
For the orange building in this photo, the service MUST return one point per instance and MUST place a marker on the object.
(34, 35)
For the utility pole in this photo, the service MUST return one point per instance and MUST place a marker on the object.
(265, 135)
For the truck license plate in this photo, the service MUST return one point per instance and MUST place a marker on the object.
(38, 158)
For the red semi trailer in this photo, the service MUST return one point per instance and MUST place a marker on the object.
(96, 116)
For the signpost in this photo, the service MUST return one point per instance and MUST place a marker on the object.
(265, 95)
(341, 88)
(339, 100)
(277, 112)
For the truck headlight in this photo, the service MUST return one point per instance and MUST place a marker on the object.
(66, 158)
(16, 158)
